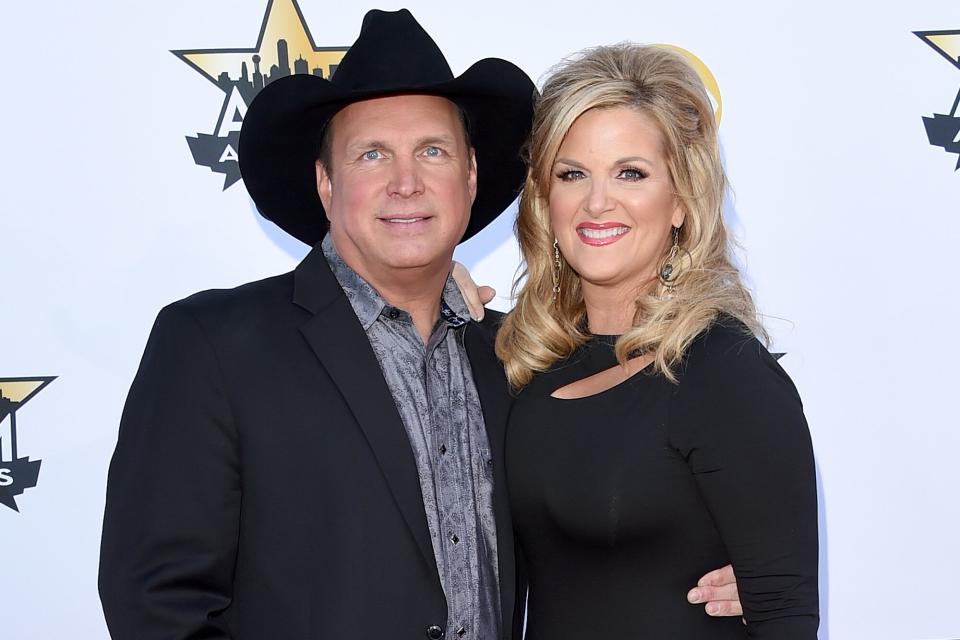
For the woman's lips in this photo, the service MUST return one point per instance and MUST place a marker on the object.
(598, 235)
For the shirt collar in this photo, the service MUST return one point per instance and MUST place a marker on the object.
(368, 304)
(453, 308)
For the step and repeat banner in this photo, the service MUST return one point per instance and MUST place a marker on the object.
(840, 125)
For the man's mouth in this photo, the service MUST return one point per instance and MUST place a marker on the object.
(403, 220)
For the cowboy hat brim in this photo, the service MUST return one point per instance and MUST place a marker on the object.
(280, 137)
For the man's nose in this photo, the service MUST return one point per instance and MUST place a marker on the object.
(405, 178)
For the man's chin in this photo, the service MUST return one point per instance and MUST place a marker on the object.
(421, 261)
(412, 253)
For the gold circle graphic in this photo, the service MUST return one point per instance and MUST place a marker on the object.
(709, 80)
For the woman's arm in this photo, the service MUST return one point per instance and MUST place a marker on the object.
(739, 422)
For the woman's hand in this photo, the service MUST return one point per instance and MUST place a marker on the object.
(475, 296)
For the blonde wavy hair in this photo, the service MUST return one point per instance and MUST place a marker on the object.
(543, 328)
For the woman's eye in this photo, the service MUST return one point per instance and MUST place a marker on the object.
(632, 174)
(570, 175)
(373, 154)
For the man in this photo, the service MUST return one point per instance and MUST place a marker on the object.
(318, 455)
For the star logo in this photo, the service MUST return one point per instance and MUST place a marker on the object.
(16, 473)
(285, 47)
(944, 130)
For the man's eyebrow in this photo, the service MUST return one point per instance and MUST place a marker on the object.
(365, 144)
(436, 139)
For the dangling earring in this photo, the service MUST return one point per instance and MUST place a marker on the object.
(667, 273)
(556, 270)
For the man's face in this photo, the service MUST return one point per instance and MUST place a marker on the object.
(400, 186)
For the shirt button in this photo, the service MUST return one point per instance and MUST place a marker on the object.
(461, 631)
(394, 314)
(455, 539)
(443, 449)
(434, 632)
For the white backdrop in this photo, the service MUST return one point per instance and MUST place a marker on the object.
(847, 213)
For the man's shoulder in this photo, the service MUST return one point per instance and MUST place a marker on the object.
(246, 303)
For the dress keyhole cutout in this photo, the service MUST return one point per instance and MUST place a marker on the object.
(603, 380)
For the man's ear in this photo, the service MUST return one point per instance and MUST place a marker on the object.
(324, 187)
(472, 176)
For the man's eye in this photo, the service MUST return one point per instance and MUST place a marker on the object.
(570, 175)
(373, 154)
(433, 152)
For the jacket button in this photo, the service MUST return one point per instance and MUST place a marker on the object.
(434, 632)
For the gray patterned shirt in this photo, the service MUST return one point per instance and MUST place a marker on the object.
(432, 386)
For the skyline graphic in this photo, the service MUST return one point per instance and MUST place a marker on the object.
(16, 473)
(284, 47)
(943, 129)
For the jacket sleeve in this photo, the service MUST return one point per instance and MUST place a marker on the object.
(171, 524)
(738, 420)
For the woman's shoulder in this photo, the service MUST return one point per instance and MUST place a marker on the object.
(731, 387)
(724, 338)
(728, 353)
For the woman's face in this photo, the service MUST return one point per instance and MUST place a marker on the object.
(612, 202)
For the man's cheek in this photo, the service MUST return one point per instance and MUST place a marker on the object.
(358, 205)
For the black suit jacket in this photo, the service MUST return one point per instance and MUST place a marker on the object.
(263, 485)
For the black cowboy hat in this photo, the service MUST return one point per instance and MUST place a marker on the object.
(280, 136)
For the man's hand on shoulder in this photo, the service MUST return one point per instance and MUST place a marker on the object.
(475, 296)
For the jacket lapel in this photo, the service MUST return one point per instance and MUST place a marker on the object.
(495, 400)
(335, 335)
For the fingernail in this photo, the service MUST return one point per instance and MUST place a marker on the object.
(713, 609)
(694, 596)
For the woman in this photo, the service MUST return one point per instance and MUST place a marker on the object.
(653, 436)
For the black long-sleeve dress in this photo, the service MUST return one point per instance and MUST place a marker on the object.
(622, 500)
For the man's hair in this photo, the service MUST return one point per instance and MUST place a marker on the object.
(326, 138)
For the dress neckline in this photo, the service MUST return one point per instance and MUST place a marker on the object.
(604, 338)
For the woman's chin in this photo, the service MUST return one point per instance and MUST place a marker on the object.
(613, 279)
